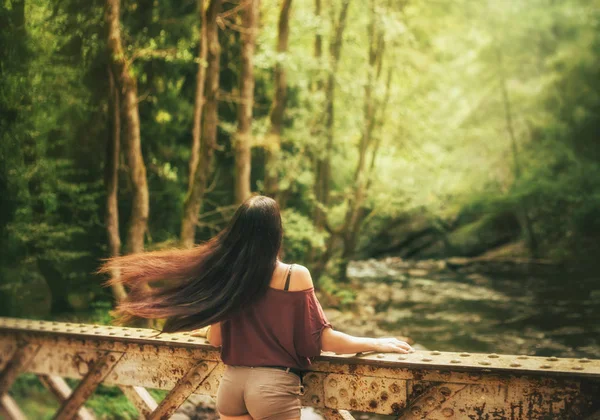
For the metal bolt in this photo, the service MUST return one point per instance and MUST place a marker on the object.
(435, 353)
(426, 359)
(522, 357)
(493, 356)
(584, 360)
(577, 368)
(343, 393)
(314, 399)
(207, 386)
(445, 391)
(394, 388)
(416, 410)
(332, 383)
(464, 354)
(552, 359)
(174, 338)
(447, 412)
(454, 361)
(332, 401)
(515, 364)
(374, 386)
(204, 366)
(401, 357)
(484, 363)
(430, 401)
(380, 356)
(112, 358)
(545, 367)
(191, 340)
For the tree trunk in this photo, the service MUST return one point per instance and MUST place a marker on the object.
(127, 84)
(323, 169)
(355, 211)
(199, 98)
(522, 207)
(273, 143)
(244, 114)
(111, 181)
(193, 202)
(324, 164)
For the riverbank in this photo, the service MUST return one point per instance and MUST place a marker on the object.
(510, 307)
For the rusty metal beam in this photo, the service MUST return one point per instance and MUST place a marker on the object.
(141, 398)
(61, 390)
(480, 385)
(184, 388)
(18, 363)
(332, 414)
(87, 386)
(10, 408)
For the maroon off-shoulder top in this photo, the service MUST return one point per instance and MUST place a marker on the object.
(283, 328)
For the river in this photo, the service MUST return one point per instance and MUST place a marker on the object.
(554, 314)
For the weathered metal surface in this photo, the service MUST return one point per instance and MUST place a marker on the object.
(23, 354)
(62, 391)
(184, 388)
(141, 399)
(10, 409)
(96, 374)
(425, 384)
(331, 414)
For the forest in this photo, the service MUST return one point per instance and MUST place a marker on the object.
(416, 128)
(393, 133)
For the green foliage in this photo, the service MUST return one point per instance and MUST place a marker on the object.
(300, 236)
(493, 107)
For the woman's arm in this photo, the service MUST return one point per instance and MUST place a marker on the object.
(214, 334)
(341, 343)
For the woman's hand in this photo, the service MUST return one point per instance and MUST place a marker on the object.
(392, 345)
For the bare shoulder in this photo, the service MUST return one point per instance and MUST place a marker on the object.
(301, 278)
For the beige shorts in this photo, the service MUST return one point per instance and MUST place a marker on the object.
(262, 392)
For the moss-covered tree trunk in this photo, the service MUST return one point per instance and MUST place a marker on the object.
(199, 96)
(193, 202)
(127, 85)
(111, 181)
(323, 167)
(244, 111)
(273, 141)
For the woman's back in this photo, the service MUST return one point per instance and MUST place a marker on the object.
(282, 328)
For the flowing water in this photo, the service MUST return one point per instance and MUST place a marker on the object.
(556, 314)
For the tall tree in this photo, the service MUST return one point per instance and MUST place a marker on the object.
(278, 105)
(244, 113)
(199, 96)
(111, 181)
(193, 202)
(127, 84)
(522, 207)
(323, 169)
(355, 210)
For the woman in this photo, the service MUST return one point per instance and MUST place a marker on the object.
(263, 313)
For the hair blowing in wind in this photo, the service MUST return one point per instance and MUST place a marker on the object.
(204, 284)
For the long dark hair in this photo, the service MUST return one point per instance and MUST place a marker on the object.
(204, 284)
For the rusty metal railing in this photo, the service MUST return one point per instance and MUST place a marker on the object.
(421, 385)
